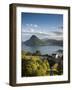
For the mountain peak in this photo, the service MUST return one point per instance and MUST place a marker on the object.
(33, 41)
(34, 37)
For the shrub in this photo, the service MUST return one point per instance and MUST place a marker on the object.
(34, 66)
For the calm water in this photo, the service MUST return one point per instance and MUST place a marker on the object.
(42, 49)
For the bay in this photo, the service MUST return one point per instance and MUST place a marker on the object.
(50, 49)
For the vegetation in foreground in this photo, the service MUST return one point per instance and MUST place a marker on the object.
(35, 64)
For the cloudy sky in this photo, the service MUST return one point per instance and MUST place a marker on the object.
(42, 25)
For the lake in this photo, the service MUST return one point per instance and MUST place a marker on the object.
(43, 49)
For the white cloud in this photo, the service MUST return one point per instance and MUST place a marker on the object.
(35, 29)
(27, 24)
(31, 25)
(32, 30)
(35, 26)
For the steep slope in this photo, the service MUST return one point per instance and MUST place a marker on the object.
(34, 41)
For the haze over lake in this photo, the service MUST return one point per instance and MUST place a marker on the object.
(42, 49)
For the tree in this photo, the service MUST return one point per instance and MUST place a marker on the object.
(38, 52)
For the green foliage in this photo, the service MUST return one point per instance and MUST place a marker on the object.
(38, 65)
(34, 66)
(38, 52)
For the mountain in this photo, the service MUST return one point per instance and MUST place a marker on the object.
(59, 51)
(54, 42)
(34, 41)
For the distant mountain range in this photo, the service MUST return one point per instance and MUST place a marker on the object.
(35, 41)
(59, 51)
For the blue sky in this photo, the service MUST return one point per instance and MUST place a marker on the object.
(42, 25)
